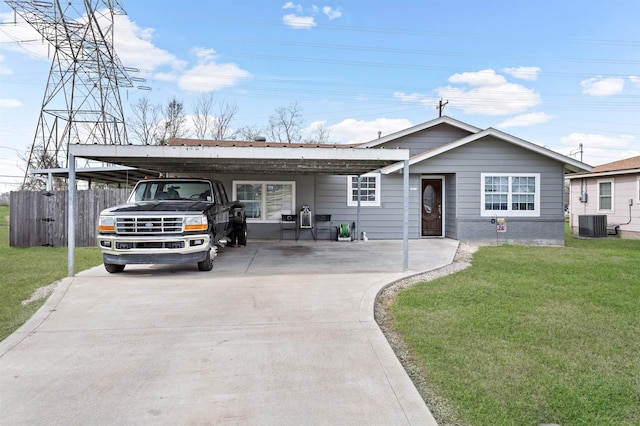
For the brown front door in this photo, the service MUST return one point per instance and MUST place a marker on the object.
(432, 207)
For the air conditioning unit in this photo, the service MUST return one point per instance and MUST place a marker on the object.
(592, 226)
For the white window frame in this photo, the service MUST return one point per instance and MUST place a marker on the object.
(353, 201)
(612, 182)
(510, 212)
(263, 201)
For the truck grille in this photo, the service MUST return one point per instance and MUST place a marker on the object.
(149, 225)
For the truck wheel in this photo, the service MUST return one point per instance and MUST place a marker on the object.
(112, 268)
(207, 263)
(241, 234)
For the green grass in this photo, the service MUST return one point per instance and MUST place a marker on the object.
(23, 270)
(531, 335)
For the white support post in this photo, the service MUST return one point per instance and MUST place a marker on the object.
(357, 230)
(405, 216)
(71, 216)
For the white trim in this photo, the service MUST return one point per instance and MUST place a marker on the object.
(444, 192)
(420, 127)
(354, 203)
(263, 201)
(509, 212)
(612, 182)
(567, 161)
(603, 174)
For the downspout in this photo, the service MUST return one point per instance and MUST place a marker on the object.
(71, 216)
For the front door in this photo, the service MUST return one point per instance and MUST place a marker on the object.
(432, 207)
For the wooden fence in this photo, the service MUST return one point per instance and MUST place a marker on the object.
(39, 218)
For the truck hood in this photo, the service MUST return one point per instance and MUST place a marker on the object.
(160, 206)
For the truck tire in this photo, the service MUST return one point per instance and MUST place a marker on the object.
(207, 263)
(241, 234)
(113, 268)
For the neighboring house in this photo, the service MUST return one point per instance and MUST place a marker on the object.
(611, 189)
(464, 183)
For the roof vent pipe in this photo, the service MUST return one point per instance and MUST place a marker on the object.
(260, 139)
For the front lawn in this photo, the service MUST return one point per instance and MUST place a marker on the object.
(531, 335)
(23, 270)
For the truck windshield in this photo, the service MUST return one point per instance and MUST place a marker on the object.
(172, 190)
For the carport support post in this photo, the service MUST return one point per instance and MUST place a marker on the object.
(71, 216)
(358, 210)
(405, 217)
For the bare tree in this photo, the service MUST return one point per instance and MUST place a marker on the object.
(203, 119)
(320, 134)
(222, 124)
(210, 125)
(145, 121)
(285, 123)
(40, 159)
(173, 123)
(249, 133)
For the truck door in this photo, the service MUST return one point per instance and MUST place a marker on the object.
(222, 209)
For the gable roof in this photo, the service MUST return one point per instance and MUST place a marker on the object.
(620, 167)
(626, 164)
(570, 164)
(420, 127)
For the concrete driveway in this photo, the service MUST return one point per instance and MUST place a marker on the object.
(279, 333)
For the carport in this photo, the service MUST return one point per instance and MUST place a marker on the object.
(223, 157)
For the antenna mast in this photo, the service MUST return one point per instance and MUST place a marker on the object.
(81, 103)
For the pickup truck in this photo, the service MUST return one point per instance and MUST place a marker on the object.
(171, 220)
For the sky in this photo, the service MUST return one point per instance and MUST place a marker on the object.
(554, 73)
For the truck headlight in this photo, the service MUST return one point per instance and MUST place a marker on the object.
(107, 224)
(195, 223)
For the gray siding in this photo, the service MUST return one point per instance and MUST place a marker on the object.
(304, 195)
(462, 168)
(450, 207)
(428, 139)
(384, 222)
(492, 155)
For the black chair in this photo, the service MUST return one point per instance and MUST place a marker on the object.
(289, 222)
(323, 224)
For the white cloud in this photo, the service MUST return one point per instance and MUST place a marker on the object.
(10, 103)
(601, 86)
(18, 36)
(331, 13)
(418, 98)
(524, 73)
(525, 120)
(358, 131)
(299, 22)
(601, 149)
(135, 48)
(4, 70)
(635, 79)
(207, 77)
(291, 5)
(489, 94)
(483, 78)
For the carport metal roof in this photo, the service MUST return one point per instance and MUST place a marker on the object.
(197, 160)
(245, 157)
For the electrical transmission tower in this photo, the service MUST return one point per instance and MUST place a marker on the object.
(81, 103)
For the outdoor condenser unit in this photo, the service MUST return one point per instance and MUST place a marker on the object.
(592, 226)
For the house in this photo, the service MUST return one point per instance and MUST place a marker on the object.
(465, 183)
(611, 190)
